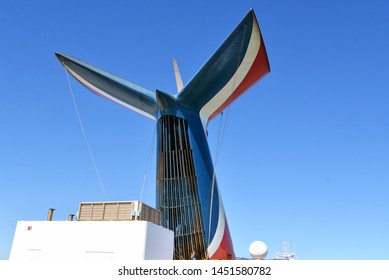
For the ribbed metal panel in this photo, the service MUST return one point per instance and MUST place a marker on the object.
(177, 189)
(118, 211)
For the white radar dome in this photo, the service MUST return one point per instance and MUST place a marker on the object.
(258, 250)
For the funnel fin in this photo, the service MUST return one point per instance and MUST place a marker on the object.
(177, 75)
(236, 65)
(112, 87)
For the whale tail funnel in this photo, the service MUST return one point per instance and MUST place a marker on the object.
(187, 191)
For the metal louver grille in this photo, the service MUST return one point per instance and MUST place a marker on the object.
(177, 189)
(118, 211)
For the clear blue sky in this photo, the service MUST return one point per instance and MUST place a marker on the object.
(305, 152)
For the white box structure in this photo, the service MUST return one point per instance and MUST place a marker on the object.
(96, 240)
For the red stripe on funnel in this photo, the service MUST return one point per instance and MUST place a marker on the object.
(259, 69)
(225, 251)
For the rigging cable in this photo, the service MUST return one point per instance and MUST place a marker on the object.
(148, 164)
(220, 138)
(85, 138)
(217, 154)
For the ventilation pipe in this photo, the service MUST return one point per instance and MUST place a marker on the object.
(50, 214)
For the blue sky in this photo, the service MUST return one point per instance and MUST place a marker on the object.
(305, 152)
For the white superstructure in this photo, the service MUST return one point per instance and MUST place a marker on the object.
(84, 240)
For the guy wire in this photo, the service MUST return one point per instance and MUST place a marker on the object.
(85, 138)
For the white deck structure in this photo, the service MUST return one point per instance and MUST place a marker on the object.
(95, 240)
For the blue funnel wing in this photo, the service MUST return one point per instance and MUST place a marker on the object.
(111, 87)
(238, 63)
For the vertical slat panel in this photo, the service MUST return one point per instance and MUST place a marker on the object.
(177, 189)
